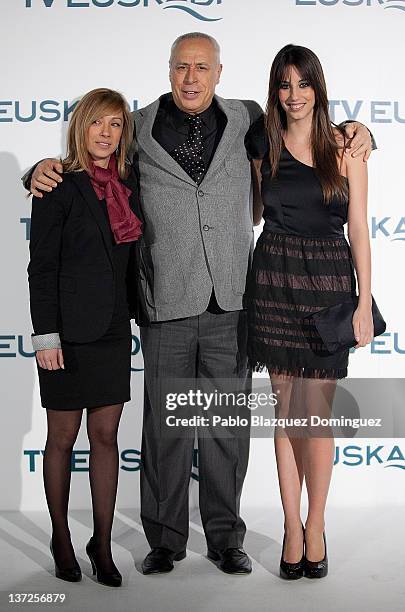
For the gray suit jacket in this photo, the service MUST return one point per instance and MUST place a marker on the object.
(195, 237)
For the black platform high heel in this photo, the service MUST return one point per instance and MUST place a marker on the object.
(292, 571)
(113, 579)
(71, 574)
(317, 569)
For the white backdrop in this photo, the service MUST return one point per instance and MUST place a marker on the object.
(53, 51)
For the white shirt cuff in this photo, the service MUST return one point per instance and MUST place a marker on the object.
(45, 341)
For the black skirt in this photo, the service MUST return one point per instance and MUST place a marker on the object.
(293, 276)
(96, 373)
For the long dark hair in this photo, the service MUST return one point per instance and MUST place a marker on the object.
(323, 140)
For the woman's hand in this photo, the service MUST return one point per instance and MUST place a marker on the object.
(363, 326)
(50, 359)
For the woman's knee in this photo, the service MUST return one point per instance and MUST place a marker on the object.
(102, 425)
(62, 439)
(103, 436)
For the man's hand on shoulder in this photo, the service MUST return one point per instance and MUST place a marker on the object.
(46, 176)
(361, 145)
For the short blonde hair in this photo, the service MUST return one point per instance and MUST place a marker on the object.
(94, 105)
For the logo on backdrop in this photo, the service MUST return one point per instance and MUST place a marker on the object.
(40, 110)
(388, 227)
(136, 355)
(348, 456)
(387, 343)
(374, 111)
(194, 8)
(130, 461)
(50, 111)
(17, 345)
(385, 4)
(355, 456)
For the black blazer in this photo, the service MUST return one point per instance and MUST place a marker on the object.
(70, 271)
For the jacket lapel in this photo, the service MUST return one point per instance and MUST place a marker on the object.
(229, 136)
(84, 185)
(153, 148)
(132, 183)
(159, 155)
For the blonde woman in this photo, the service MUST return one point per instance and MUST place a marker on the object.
(82, 253)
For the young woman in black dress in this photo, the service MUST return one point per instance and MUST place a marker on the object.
(81, 273)
(310, 187)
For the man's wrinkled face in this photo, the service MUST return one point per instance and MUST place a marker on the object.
(194, 73)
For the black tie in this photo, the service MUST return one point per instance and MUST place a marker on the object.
(190, 154)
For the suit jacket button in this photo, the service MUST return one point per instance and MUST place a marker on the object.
(200, 192)
(206, 228)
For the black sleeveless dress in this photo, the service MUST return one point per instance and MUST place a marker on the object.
(302, 263)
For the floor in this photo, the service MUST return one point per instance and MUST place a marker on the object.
(366, 560)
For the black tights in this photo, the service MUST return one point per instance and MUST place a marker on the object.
(102, 428)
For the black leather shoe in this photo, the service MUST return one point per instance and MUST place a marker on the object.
(70, 574)
(113, 579)
(231, 560)
(160, 560)
(317, 569)
(292, 571)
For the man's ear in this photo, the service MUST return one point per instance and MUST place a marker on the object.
(219, 73)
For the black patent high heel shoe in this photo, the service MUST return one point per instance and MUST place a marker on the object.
(317, 569)
(292, 571)
(71, 574)
(113, 579)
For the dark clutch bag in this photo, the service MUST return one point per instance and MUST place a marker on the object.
(335, 327)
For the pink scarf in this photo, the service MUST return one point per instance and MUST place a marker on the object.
(106, 182)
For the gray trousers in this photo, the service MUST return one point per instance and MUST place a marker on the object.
(205, 346)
